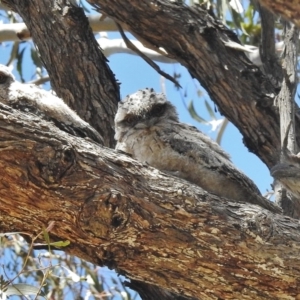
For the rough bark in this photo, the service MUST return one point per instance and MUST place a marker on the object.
(72, 56)
(286, 104)
(147, 225)
(287, 8)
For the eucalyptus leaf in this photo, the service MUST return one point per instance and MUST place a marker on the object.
(194, 114)
(22, 289)
(60, 244)
(210, 110)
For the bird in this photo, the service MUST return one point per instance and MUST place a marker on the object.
(29, 98)
(147, 128)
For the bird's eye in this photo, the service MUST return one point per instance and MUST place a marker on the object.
(3, 78)
(130, 120)
(158, 110)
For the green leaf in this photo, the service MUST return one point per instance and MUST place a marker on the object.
(19, 63)
(210, 110)
(60, 244)
(194, 114)
(244, 27)
(46, 236)
(221, 131)
(22, 289)
(36, 58)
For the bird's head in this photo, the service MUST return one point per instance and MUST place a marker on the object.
(141, 110)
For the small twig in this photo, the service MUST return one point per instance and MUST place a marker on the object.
(131, 46)
(221, 131)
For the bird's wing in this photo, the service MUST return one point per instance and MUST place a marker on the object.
(201, 150)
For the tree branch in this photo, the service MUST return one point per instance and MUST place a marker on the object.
(116, 46)
(17, 31)
(146, 224)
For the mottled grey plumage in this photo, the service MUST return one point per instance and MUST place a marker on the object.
(147, 127)
(31, 99)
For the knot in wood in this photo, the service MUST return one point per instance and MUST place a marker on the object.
(51, 164)
(104, 213)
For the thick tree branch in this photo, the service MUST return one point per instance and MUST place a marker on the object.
(145, 224)
(77, 68)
